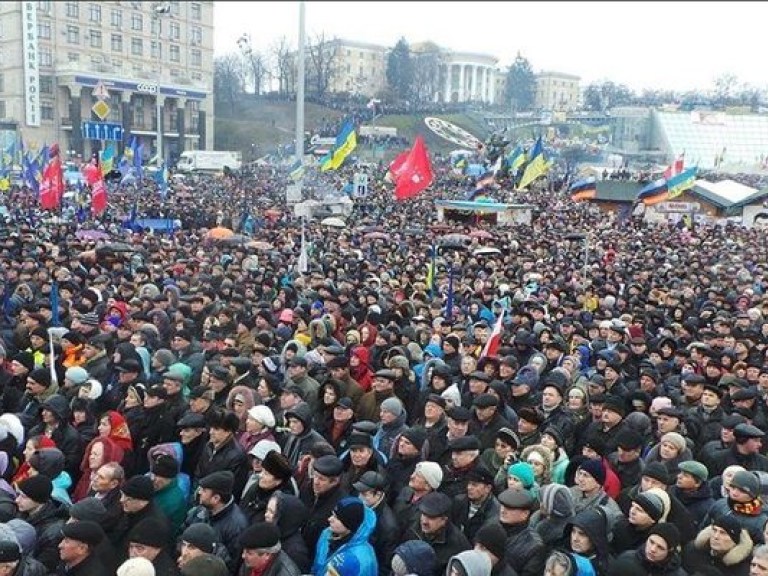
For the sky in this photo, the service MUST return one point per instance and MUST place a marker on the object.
(656, 45)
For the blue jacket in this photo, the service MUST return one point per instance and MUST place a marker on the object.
(354, 558)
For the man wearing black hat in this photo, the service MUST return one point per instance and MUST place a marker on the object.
(745, 452)
(478, 506)
(158, 426)
(77, 549)
(276, 476)
(169, 497)
(722, 546)
(434, 527)
(55, 416)
(525, 549)
(705, 419)
(198, 539)
(136, 500)
(220, 383)
(723, 442)
(146, 539)
(372, 488)
(610, 425)
(223, 451)
(129, 372)
(297, 370)
(37, 389)
(218, 509)
(465, 457)
(491, 539)
(263, 553)
(659, 553)
(325, 492)
(192, 430)
(552, 395)
(45, 514)
(434, 421)
(339, 368)
(487, 420)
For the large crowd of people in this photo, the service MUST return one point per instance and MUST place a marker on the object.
(176, 404)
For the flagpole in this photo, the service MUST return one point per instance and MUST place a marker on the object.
(300, 97)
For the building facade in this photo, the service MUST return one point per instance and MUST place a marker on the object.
(54, 54)
(361, 68)
(468, 77)
(557, 91)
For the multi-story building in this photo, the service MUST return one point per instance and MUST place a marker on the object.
(557, 91)
(360, 67)
(53, 55)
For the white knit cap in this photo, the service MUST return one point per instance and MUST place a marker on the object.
(431, 472)
(264, 447)
(263, 415)
(136, 567)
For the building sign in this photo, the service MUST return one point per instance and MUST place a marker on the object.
(678, 207)
(31, 72)
(142, 87)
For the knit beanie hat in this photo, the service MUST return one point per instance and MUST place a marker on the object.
(595, 469)
(730, 524)
(669, 533)
(393, 406)
(76, 375)
(37, 488)
(136, 567)
(416, 436)
(747, 482)
(523, 472)
(431, 472)
(493, 538)
(676, 440)
(414, 557)
(651, 504)
(350, 511)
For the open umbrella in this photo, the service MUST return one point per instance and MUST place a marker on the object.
(259, 245)
(91, 235)
(235, 240)
(333, 222)
(376, 236)
(457, 239)
(219, 233)
(486, 251)
(481, 234)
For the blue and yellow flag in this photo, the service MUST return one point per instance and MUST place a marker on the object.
(107, 159)
(538, 165)
(515, 159)
(346, 142)
(679, 183)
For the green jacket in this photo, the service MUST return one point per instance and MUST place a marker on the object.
(172, 502)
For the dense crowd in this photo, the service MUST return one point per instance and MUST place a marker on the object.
(175, 404)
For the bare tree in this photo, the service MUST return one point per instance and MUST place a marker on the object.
(284, 61)
(323, 62)
(426, 60)
(228, 78)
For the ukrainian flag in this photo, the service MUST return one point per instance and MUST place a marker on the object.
(346, 142)
(107, 159)
(515, 159)
(681, 182)
(538, 165)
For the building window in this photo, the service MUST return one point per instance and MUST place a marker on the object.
(117, 43)
(94, 13)
(46, 85)
(175, 31)
(156, 49)
(73, 34)
(2, 109)
(156, 27)
(73, 57)
(2, 82)
(196, 35)
(95, 38)
(46, 112)
(46, 57)
(175, 8)
(73, 10)
(137, 47)
(116, 18)
(44, 6)
(138, 114)
(195, 58)
(175, 53)
(137, 22)
(174, 71)
(44, 29)
(196, 11)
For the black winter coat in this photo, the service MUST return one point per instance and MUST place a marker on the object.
(47, 522)
(385, 537)
(446, 543)
(525, 551)
(230, 456)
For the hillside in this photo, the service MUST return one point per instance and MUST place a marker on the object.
(268, 124)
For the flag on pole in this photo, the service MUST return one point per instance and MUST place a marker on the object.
(449, 299)
(415, 175)
(681, 182)
(431, 267)
(676, 167)
(346, 142)
(396, 166)
(515, 159)
(136, 151)
(51, 187)
(583, 189)
(52, 359)
(538, 165)
(494, 340)
(161, 179)
(107, 159)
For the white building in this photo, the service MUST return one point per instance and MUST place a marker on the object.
(468, 77)
(53, 54)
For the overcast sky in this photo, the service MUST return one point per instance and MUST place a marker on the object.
(676, 45)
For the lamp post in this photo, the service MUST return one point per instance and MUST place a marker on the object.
(159, 10)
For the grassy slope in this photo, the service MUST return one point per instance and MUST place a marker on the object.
(270, 123)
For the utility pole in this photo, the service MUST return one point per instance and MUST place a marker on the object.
(300, 96)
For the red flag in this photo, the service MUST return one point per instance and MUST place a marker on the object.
(51, 185)
(494, 340)
(415, 174)
(675, 168)
(98, 197)
(91, 172)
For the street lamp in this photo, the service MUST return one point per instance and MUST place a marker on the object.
(159, 10)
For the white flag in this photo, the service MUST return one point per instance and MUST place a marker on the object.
(303, 264)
